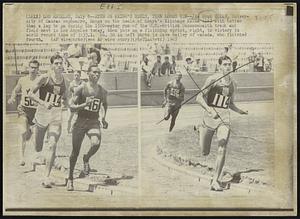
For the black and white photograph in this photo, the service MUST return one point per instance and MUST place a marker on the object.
(149, 109)
(71, 123)
(207, 118)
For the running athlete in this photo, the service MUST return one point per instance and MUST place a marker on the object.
(75, 83)
(87, 101)
(48, 116)
(173, 97)
(216, 101)
(27, 107)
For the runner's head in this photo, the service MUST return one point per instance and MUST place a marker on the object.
(33, 67)
(57, 63)
(94, 73)
(178, 76)
(225, 64)
(77, 75)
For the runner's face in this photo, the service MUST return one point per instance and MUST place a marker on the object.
(225, 67)
(58, 66)
(33, 68)
(94, 74)
(77, 75)
(178, 77)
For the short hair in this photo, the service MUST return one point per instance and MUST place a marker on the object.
(166, 57)
(78, 72)
(34, 61)
(222, 58)
(92, 66)
(188, 59)
(158, 57)
(56, 56)
(93, 54)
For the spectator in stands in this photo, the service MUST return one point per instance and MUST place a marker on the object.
(268, 65)
(167, 49)
(93, 59)
(197, 65)
(173, 66)
(204, 66)
(259, 63)
(96, 48)
(230, 52)
(75, 51)
(188, 66)
(179, 55)
(251, 59)
(146, 70)
(157, 67)
(166, 66)
(66, 64)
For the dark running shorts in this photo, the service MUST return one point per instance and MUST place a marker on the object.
(86, 124)
(28, 112)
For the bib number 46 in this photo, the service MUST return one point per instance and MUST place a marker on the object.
(94, 105)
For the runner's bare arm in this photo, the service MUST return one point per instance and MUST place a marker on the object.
(200, 97)
(73, 102)
(16, 90)
(166, 91)
(65, 96)
(104, 104)
(37, 85)
(232, 105)
(181, 94)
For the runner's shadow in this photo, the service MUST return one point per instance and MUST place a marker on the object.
(236, 177)
(107, 180)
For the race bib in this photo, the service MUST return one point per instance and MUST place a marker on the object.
(55, 99)
(174, 92)
(93, 106)
(28, 102)
(220, 101)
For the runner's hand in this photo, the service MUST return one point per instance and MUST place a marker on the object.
(212, 113)
(11, 100)
(164, 103)
(89, 100)
(48, 105)
(104, 124)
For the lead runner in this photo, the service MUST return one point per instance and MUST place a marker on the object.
(87, 100)
(48, 117)
(216, 101)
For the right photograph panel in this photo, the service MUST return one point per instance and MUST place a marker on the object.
(207, 121)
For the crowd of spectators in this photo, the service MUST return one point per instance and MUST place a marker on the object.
(159, 61)
(81, 56)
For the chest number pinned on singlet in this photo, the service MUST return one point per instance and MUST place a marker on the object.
(93, 106)
(174, 92)
(220, 101)
(53, 98)
(28, 102)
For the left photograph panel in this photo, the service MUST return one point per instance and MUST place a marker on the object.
(70, 125)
